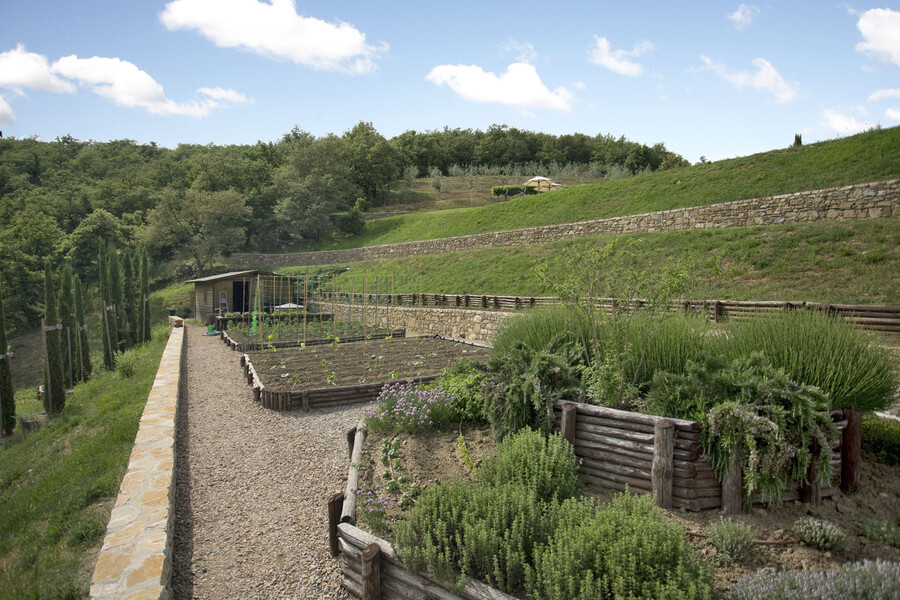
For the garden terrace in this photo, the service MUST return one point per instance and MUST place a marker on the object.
(339, 374)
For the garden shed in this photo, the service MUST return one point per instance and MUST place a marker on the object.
(228, 292)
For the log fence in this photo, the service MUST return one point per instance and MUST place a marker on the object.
(880, 318)
(256, 346)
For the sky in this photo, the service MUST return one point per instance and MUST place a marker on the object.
(706, 78)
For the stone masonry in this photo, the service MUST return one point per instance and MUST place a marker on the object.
(135, 560)
(457, 323)
(862, 201)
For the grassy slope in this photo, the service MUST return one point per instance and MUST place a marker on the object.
(846, 262)
(870, 156)
(58, 485)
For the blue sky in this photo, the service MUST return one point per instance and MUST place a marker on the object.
(714, 79)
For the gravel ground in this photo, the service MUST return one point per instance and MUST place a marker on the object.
(250, 516)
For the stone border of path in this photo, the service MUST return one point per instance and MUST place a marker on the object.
(135, 560)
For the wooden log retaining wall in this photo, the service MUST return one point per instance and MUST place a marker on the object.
(620, 448)
(304, 400)
(255, 346)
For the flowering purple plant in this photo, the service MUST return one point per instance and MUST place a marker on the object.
(410, 407)
(374, 508)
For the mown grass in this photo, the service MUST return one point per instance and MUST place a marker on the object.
(869, 156)
(58, 485)
(838, 262)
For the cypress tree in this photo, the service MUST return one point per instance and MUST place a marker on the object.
(7, 397)
(84, 354)
(110, 339)
(144, 299)
(68, 342)
(117, 299)
(54, 384)
(130, 294)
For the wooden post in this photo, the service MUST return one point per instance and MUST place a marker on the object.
(351, 434)
(569, 412)
(304, 399)
(811, 492)
(348, 514)
(851, 451)
(717, 311)
(334, 503)
(733, 486)
(662, 469)
(371, 572)
(46, 360)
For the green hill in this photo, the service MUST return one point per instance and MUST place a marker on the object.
(870, 156)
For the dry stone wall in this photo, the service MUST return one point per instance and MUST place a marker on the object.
(471, 325)
(862, 201)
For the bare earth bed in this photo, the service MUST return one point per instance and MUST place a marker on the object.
(358, 363)
(430, 457)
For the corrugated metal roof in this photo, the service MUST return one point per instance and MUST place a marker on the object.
(232, 275)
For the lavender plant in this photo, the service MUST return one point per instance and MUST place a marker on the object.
(867, 580)
(373, 509)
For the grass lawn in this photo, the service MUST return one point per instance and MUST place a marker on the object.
(58, 485)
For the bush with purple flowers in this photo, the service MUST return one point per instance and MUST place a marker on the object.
(409, 407)
(867, 580)
(373, 509)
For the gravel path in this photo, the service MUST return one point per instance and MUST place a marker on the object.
(250, 516)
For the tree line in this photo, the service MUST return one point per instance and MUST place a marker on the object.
(60, 199)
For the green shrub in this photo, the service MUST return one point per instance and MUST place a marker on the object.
(734, 541)
(679, 339)
(881, 530)
(818, 349)
(626, 549)
(822, 535)
(881, 439)
(534, 328)
(507, 190)
(867, 580)
(126, 362)
(522, 385)
(750, 404)
(462, 380)
(544, 464)
(458, 530)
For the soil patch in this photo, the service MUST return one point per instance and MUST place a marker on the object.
(358, 363)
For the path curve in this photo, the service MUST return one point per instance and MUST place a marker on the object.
(250, 518)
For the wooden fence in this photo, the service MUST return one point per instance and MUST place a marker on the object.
(872, 317)
(256, 346)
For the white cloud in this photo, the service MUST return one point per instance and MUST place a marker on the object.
(766, 78)
(618, 61)
(579, 85)
(526, 50)
(21, 69)
(893, 114)
(842, 124)
(880, 28)
(6, 113)
(274, 29)
(882, 94)
(218, 93)
(744, 15)
(126, 85)
(520, 86)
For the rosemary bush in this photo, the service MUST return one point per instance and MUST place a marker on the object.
(820, 350)
(734, 541)
(822, 535)
(534, 328)
(626, 549)
(544, 464)
(522, 385)
(867, 580)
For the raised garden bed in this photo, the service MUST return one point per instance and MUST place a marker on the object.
(338, 374)
(242, 345)
(223, 323)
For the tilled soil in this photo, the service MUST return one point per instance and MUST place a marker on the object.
(356, 363)
(250, 516)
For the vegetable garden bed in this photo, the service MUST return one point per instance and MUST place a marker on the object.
(347, 373)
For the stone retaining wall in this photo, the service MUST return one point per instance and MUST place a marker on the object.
(457, 323)
(135, 560)
(862, 201)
